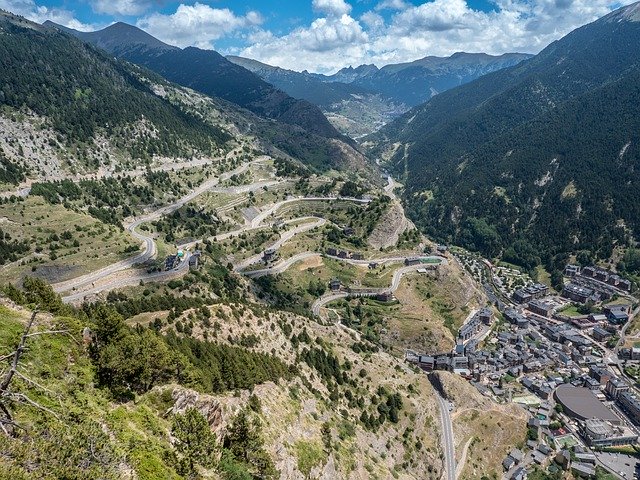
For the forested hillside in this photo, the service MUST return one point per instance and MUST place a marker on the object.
(210, 73)
(84, 93)
(300, 129)
(542, 157)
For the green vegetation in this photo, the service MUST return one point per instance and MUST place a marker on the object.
(525, 175)
(10, 249)
(110, 200)
(84, 92)
(309, 455)
(10, 172)
(129, 362)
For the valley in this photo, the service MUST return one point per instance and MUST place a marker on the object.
(215, 268)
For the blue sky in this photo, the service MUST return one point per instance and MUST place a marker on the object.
(325, 35)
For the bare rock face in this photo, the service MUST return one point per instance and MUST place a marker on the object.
(208, 406)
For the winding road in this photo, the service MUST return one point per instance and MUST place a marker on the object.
(149, 249)
(369, 292)
(114, 275)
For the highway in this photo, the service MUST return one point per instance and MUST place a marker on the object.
(118, 274)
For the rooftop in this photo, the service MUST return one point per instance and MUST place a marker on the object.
(582, 403)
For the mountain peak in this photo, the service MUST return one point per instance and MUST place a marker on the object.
(122, 34)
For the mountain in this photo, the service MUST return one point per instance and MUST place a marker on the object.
(534, 160)
(353, 110)
(210, 73)
(302, 85)
(358, 101)
(82, 99)
(416, 82)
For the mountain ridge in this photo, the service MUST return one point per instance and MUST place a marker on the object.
(208, 72)
(485, 169)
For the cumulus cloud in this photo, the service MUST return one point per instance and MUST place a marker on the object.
(336, 8)
(392, 5)
(199, 24)
(326, 43)
(38, 13)
(434, 27)
(121, 7)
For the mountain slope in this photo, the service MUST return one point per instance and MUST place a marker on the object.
(301, 85)
(83, 94)
(416, 82)
(210, 73)
(358, 101)
(353, 110)
(544, 153)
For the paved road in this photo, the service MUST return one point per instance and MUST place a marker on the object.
(97, 281)
(284, 237)
(24, 189)
(369, 292)
(262, 216)
(448, 446)
(86, 282)
(128, 281)
(280, 267)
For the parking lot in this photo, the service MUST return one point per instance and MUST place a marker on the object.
(623, 465)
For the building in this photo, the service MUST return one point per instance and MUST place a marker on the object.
(269, 255)
(581, 404)
(617, 315)
(631, 405)
(426, 362)
(600, 373)
(615, 387)
(522, 296)
(571, 270)
(600, 433)
(577, 293)
(335, 284)
(583, 470)
(194, 260)
(541, 308)
(384, 297)
(485, 316)
(600, 334)
(625, 285)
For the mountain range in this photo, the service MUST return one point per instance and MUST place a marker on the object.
(361, 100)
(298, 128)
(537, 159)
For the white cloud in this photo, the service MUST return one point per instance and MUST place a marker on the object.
(392, 5)
(326, 43)
(197, 24)
(336, 8)
(435, 27)
(121, 7)
(39, 14)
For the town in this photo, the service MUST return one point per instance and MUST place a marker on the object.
(565, 360)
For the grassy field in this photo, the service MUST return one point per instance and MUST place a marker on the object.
(571, 311)
(80, 242)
